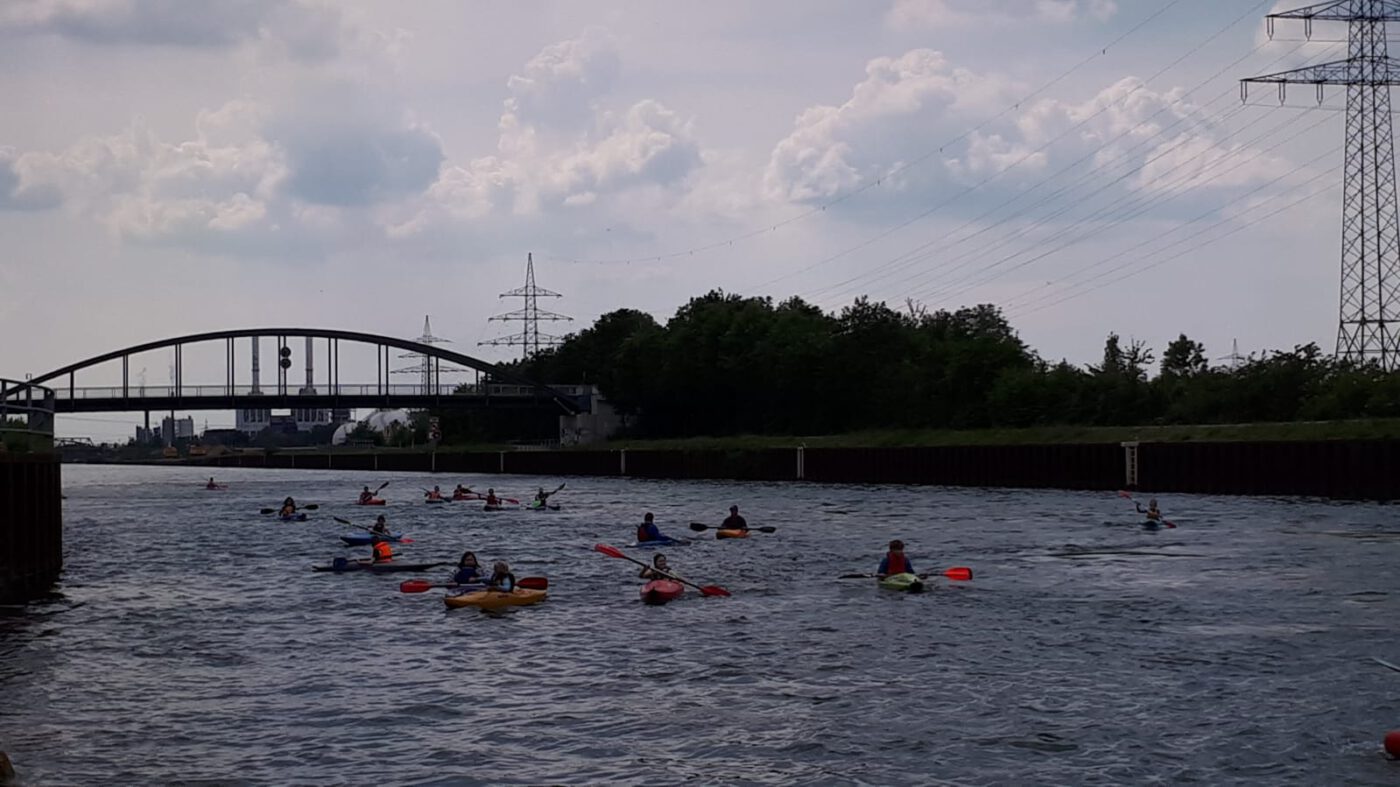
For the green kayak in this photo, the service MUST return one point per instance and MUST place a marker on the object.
(906, 582)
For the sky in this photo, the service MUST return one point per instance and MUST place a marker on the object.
(168, 168)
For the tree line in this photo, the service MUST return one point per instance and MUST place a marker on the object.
(727, 364)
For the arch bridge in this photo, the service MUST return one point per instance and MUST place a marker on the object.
(493, 385)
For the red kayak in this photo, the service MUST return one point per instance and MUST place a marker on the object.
(378, 501)
(659, 591)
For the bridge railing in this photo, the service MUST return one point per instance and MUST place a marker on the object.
(26, 416)
(216, 391)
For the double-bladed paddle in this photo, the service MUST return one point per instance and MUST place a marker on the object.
(701, 527)
(370, 530)
(423, 585)
(960, 573)
(311, 507)
(1128, 496)
(705, 590)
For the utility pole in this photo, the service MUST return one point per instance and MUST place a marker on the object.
(530, 338)
(1369, 325)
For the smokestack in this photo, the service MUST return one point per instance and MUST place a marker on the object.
(257, 378)
(310, 374)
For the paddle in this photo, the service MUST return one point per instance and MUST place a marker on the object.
(1385, 664)
(402, 540)
(311, 507)
(960, 573)
(706, 590)
(698, 527)
(1129, 496)
(423, 585)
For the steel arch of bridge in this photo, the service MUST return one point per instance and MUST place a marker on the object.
(333, 337)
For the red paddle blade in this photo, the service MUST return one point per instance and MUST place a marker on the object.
(713, 590)
(1128, 495)
(609, 551)
(1168, 524)
(405, 541)
(511, 500)
(415, 586)
(961, 573)
(534, 583)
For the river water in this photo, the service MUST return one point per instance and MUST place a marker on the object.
(189, 641)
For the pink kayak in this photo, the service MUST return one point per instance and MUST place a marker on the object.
(659, 591)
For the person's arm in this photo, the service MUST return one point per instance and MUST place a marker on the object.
(883, 570)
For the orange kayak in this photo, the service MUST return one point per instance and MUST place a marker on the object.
(731, 534)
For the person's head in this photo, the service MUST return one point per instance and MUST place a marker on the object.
(375, 540)
(1152, 503)
(211, 479)
(896, 546)
(649, 518)
(435, 488)
(541, 490)
(501, 567)
(733, 509)
(659, 562)
(379, 520)
(366, 488)
(468, 559)
(491, 491)
(287, 502)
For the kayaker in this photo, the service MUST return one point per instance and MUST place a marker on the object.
(366, 496)
(462, 491)
(468, 570)
(542, 497)
(734, 521)
(895, 561)
(289, 507)
(381, 527)
(383, 550)
(491, 499)
(211, 484)
(648, 531)
(436, 494)
(657, 570)
(1154, 515)
(501, 578)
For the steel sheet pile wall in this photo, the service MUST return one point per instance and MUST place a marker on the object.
(1091, 466)
(772, 464)
(1344, 469)
(563, 462)
(31, 525)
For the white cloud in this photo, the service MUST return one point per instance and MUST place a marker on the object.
(946, 14)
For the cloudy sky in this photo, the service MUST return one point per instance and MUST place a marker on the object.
(169, 167)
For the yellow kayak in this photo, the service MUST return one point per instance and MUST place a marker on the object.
(496, 599)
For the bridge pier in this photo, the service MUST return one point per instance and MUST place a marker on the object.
(31, 494)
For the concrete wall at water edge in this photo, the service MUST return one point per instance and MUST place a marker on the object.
(31, 525)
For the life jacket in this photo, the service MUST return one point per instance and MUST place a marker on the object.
(383, 552)
(648, 532)
(492, 500)
(896, 563)
(365, 497)
(1153, 514)
(466, 575)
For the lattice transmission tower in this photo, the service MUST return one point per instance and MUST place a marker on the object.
(424, 367)
(1369, 328)
(530, 338)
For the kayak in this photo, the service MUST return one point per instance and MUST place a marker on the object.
(219, 488)
(659, 591)
(907, 582)
(377, 501)
(664, 541)
(365, 539)
(534, 507)
(438, 500)
(493, 508)
(340, 565)
(731, 534)
(496, 599)
(293, 518)
(1151, 525)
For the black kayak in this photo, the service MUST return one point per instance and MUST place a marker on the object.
(341, 565)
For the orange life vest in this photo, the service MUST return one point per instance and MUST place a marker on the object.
(383, 552)
(896, 563)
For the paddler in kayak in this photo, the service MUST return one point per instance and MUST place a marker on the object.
(436, 494)
(657, 570)
(734, 521)
(211, 484)
(366, 496)
(383, 551)
(501, 579)
(1154, 515)
(895, 561)
(491, 499)
(461, 492)
(289, 507)
(542, 497)
(381, 527)
(648, 531)
(468, 570)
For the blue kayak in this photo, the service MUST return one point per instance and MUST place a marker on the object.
(664, 541)
(294, 518)
(364, 540)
